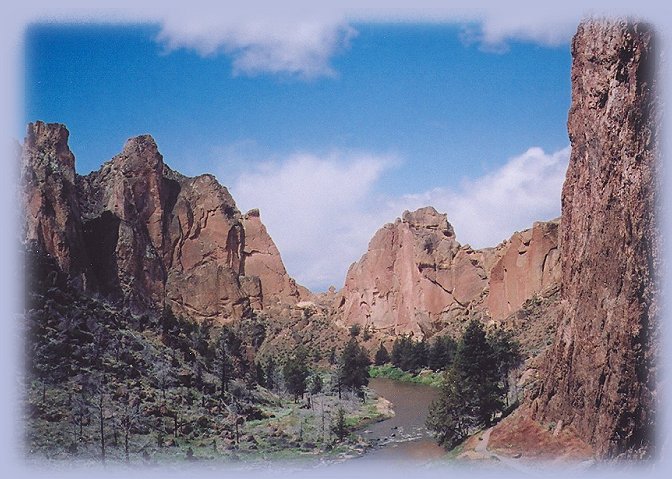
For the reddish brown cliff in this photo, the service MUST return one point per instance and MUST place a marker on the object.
(122, 210)
(599, 375)
(141, 234)
(203, 254)
(52, 217)
(414, 276)
(262, 259)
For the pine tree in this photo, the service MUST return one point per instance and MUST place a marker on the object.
(382, 356)
(471, 394)
(507, 354)
(339, 427)
(476, 365)
(441, 353)
(316, 384)
(450, 416)
(295, 372)
(354, 366)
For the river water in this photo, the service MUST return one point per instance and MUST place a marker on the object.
(403, 437)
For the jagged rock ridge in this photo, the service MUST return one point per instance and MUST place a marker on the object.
(600, 374)
(141, 234)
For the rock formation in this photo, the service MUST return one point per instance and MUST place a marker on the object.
(599, 374)
(146, 236)
(416, 278)
(122, 212)
(414, 274)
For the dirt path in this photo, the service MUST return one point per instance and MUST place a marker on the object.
(534, 468)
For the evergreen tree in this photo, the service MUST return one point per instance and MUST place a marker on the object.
(295, 372)
(476, 365)
(224, 360)
(420, 353)
(441, 353)
(507, 354)
(451, 415)
(382, 356)
(339, 427)
(471, 394)
(316, 384)
(354, 366)
(269, 374)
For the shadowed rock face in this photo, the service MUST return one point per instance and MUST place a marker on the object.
(599, 375)
(416, 278)
(146, 236)
(124, 200)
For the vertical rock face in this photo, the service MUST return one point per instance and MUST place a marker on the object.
(529, 263)
(599, 375)
(52, 218)
(139, 233)
(204, 250)
(262, 259)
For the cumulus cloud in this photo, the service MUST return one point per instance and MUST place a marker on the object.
(317, 210)
(301, 48)
(300, 39)
(302, 42)
(322, 210)
(487, 210)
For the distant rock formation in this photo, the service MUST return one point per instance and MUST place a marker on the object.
(599, 375)
(416, 278)
(141, 234)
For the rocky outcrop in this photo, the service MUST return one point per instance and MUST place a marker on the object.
(414, 274)
(527, 263)
(599, 374)
(146, 236)
(49, 197)
(416, 278)
(261, 259)
(122, 211)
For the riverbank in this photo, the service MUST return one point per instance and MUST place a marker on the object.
(425, 377)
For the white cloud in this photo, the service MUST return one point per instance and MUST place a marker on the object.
(300, 38)
(487, 210)
(303, 42)
(317, 210)
(302, 47)
(322, 210)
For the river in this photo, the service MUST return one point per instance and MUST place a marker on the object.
(404, 436)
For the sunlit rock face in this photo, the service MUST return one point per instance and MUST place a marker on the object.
(528, 263)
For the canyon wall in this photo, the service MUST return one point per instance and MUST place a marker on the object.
(599, 375)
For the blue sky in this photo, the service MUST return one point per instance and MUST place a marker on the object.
(346, 128)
